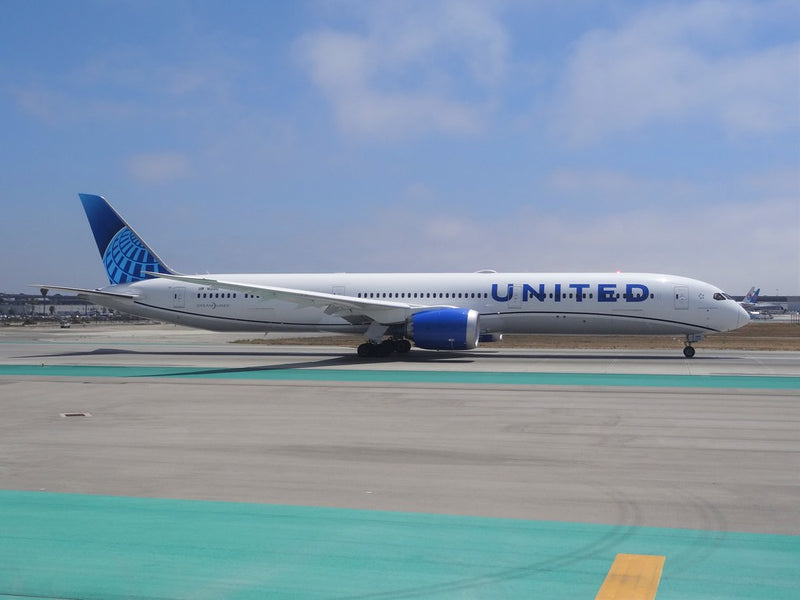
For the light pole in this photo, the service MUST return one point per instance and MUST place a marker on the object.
(43, 291)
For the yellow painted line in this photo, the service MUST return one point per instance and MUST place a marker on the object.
(632, 577)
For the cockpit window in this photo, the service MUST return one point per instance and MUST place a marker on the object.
(720, 296)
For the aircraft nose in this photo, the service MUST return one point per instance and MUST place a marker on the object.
(744, 317)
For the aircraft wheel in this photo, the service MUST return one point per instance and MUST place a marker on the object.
(688, 351)
(366, 350)
(402, 346)
(384, 349)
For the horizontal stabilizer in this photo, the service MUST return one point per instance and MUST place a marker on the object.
(88, 294)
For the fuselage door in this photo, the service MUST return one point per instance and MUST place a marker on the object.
(178, 297)
(681, 297)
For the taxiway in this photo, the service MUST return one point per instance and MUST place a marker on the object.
(284, 426)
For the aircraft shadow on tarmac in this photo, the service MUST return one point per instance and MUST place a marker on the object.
(332, 358)
(317, 359)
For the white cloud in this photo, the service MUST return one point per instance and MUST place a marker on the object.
(419, 67)
(158, 167)
(122, 86)
(753, 238)
(56, 107)
(678, 62)
(38, 103)
(603, 182)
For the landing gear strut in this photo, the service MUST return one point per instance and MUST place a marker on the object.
(688, 349)
(385, 348)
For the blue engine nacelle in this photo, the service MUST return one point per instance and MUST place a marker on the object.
(444, 329)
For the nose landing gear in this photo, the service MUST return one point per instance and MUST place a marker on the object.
(691, 338)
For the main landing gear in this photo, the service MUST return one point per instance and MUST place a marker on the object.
(688, 349)
(384, 348)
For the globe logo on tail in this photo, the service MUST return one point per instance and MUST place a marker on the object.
(127, 259)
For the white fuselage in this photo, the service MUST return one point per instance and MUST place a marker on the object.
(567, 303)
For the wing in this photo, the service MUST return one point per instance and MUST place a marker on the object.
(380, 311)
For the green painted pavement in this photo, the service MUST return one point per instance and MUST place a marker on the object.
(401, 376)
(100, 547)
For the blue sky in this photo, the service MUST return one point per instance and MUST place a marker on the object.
(405, 136)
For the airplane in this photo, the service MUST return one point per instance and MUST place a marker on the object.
(750, 297)
(759, 316)
(752, 305)
(436, 311)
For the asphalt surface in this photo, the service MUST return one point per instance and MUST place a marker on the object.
(280, 426)
(694, 457)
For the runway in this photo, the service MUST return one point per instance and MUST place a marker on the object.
(316, 474)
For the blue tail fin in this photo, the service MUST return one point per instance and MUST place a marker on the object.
(125, 255)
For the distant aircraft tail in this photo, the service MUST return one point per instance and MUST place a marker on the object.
(752, 295)
(125, 255)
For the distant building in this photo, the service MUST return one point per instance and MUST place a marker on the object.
(63, 305)
(55, 306)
